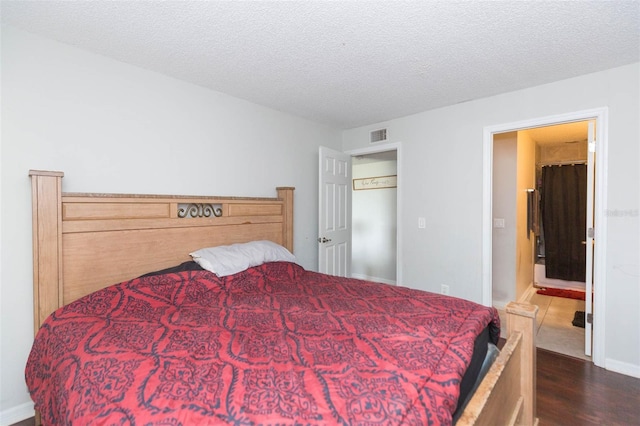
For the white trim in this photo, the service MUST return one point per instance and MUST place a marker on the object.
(396, 146)
(528, 293)
(600, 236)
(374, 279)
(487, 215)
(17, 414)
(500, 305)
(601, 115)
(623, 368)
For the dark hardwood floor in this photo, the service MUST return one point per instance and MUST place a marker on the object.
(575, 392)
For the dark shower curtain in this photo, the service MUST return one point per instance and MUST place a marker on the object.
(564, 201)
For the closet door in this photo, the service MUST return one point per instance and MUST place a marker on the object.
(334, 216)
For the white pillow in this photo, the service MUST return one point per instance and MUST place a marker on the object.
(228, 260)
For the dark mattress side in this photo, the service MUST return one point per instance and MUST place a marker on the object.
(467, 385)
(189, 265)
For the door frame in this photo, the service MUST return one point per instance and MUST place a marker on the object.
(601, 117)
(395, 146)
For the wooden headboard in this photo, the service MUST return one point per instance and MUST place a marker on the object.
(85, 242)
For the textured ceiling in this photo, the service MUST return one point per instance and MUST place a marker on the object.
(348, 63)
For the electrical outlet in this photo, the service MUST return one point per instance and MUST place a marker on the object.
(444, 289)
(422, 223)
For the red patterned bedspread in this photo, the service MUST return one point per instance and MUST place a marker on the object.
(274, 345)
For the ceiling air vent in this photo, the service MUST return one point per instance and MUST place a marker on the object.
(378, 135)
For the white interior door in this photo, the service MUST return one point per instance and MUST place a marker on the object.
(588, 326)
(334, 215)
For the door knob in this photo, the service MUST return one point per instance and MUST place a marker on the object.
(323, 240)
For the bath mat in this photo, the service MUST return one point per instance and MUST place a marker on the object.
(569, 294)
(578, 319)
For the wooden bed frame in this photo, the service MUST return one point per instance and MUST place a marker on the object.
(84, 242)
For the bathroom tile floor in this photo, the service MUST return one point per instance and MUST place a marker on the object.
(555, 331)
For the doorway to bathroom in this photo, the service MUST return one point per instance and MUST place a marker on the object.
(520, 157)
(548, 211)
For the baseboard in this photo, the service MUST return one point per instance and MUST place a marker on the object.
(622, 368)
(526, 296)
(374, 279)
(17, 414)
(500, 305)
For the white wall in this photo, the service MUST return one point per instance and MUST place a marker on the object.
(112, 127)
(444, 170)
(505, 167)
(374, 224)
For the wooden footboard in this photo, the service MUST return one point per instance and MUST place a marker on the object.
(507, 395)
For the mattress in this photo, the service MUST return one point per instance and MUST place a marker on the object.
(275, 344)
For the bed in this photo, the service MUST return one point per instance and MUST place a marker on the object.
(130, 330)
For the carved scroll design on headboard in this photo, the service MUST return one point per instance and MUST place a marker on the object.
(192, 210)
